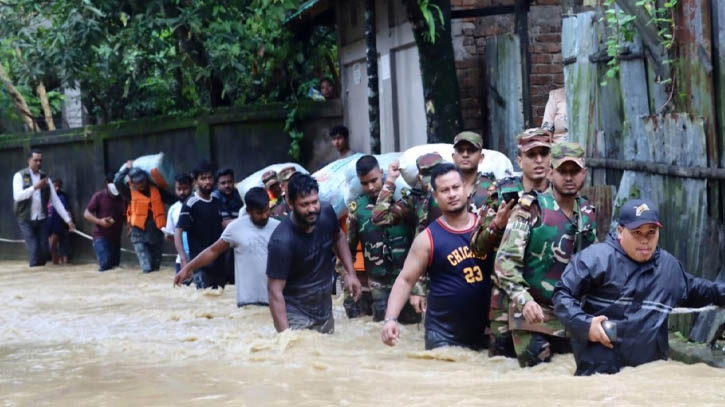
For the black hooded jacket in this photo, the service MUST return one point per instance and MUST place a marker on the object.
(638, 297)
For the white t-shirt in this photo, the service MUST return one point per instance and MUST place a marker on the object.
(172, 218)
(249, 242)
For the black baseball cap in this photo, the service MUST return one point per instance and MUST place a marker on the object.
(637, 212)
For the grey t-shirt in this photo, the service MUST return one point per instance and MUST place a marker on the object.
(249, 242)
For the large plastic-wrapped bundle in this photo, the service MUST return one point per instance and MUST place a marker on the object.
(339, 184)
(354, 189)
(159, 168)
(255, 180)
(493, 161)
(333, 182)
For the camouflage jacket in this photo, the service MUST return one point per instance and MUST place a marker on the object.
(487, 236)
(280, 209)
(478, 197)
(417, 208)
(384, 247)
(537, 244)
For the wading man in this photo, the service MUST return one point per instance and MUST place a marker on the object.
(106, 211)
(300, 263)
(384, 247)
(32, 191)
(417, 209)
(201, 219)
(544, 231)
(146, 215)
(460, 288)
(183, 184)
(630, 285)
(249, 236)
(231, 203)
(281, 209)
(534, 159)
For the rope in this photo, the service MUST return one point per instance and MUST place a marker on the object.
(676, 311)
(83, 235)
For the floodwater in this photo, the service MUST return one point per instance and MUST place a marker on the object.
(73, 336)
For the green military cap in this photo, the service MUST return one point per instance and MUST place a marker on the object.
(286, 173)
(567, 151)
(425, 164)
(531, 138)
(469, 136)
(269, 178)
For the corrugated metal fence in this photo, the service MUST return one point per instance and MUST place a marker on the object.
(642, 148)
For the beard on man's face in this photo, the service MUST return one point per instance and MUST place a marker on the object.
(309, 219)
(260, 222)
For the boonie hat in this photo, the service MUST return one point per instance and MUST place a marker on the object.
(567, 151)
(286, 173)
(531, 138)
(425, 164)
(637, 212)
(469, 136)
(269, 178)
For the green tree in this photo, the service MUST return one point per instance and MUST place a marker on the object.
(431, 21)
(135, 58)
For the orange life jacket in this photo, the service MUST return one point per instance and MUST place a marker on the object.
(139, 208)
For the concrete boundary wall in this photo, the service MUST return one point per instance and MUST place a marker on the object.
(245, 139)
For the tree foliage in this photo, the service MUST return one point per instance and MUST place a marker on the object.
(135, 58)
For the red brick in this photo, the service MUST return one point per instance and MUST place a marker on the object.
(546, 68)
(470, 103)
(468, 82)
(542, 58)
(541, 79)
(548, 38)
(540, 89)
(465, 63)
(539, 99)
(556, 58)
(545, 48)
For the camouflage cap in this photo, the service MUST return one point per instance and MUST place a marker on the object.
(269, 178)
(531, 138)
(567, 151)
(469, 136)
(286, 173)
(425, 164)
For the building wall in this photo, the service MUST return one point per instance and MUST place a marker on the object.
(469, 40)
(244, 139)
(400, 90)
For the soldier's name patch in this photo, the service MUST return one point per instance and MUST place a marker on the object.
(518, 224)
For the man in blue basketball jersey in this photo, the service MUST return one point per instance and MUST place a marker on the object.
(460, 285)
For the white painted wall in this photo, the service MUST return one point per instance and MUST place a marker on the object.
(402, 114)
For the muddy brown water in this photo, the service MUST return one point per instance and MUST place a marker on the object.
(73, 336)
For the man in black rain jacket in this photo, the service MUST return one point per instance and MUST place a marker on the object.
(632, 284)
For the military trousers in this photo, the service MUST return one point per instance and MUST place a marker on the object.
(512, 336)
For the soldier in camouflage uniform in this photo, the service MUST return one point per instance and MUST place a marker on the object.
(543, 232)
(272, 186)
(534, 159)
(384, 247)
(467, 155)
(417, 209)
(281, 208)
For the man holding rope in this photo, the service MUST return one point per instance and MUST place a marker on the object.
(32, 190)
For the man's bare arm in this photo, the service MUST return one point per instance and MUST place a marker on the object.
(206, 257)
(414, 267)
(277, 304)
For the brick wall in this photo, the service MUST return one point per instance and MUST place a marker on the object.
(469, 39)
